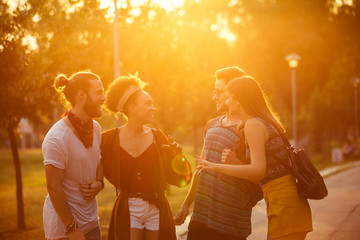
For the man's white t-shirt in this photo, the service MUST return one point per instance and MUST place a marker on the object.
(64, 150)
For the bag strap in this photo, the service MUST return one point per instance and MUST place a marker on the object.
(159, 136)
(287, 142)
(160, 139)
(281, 134)
(290, 147)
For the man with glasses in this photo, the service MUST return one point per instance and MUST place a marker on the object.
(221, 203)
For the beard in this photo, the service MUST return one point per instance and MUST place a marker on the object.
(92, 109)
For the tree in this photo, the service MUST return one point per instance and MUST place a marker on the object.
(16, 102)
(27, 72)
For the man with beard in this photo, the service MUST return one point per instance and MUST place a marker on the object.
(71, 151)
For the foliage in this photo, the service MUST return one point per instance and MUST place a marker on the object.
(20, 95)
(178, 51)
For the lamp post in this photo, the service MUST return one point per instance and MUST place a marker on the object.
(116, 43)
(356, 82)
(116, 53)
(293, 60)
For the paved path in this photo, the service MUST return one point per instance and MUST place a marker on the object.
(337, 217)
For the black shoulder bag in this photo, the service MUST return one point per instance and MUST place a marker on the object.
(310, 184)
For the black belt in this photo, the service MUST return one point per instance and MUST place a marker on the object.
(145, 196)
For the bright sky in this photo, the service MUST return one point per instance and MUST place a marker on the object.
(14, 3)
(346, 2)
(221, 26)
(168, 5)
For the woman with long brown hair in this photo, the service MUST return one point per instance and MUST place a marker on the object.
(289, 215)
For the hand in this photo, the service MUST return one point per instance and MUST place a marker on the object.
(90, 189)
(76, 235)
(203, 164)
(196, 172)
(173, 146)
(229, 157)
(181, 216)
(240, 127)
(176, 146)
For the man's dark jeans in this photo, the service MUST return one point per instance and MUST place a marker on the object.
(94, 234)
(199, 231)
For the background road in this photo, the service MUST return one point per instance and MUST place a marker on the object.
(337, 217)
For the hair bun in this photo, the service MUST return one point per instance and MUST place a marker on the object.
(61, 81)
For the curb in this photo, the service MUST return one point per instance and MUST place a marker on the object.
(338, 168)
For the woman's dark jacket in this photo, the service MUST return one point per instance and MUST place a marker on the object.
(173, 169)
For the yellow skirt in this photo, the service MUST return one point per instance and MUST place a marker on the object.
(287, 212)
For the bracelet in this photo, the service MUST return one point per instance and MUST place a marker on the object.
(71, 227)
(101, 181)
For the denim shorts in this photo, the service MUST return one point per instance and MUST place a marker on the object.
(143, 214)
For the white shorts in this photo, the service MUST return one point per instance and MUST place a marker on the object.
(143, 214)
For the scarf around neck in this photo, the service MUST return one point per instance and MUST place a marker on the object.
(84, 130)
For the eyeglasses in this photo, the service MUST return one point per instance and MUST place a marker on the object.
(218, 91)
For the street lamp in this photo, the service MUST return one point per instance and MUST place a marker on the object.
(356, 82)
(116, 61)
(293, 60)
(116, 43)
(116, 53)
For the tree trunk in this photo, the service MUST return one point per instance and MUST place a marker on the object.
(19, 193)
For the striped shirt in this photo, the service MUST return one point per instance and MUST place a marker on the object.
(221, 201)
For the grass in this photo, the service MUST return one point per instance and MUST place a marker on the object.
(34, 190)
(321, 163)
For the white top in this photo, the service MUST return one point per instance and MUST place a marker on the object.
(64, 150)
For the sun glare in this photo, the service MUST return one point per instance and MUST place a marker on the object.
(13, 4)
(344, 2)
(30, 42)
(222, 28)
(340, 3)
(168, 5)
